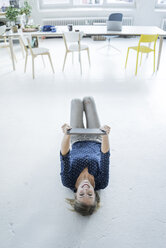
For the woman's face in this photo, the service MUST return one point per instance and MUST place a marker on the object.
(85, 193)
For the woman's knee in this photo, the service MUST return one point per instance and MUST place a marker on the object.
(77, 106)
(88, 99)
(76, 101)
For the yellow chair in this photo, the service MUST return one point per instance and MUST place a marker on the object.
(143, 49)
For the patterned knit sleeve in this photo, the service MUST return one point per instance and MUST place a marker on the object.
(103, 175)
(65, 167)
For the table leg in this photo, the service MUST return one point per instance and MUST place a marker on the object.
(11, 52)
(159, 53)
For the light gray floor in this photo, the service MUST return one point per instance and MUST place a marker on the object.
(33, 212)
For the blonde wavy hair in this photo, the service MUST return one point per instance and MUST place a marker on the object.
(82, 208)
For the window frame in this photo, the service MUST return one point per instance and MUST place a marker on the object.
(105, 4)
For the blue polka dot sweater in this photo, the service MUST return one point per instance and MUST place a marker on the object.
(85, 154)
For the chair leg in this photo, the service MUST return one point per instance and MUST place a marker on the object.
(114, 48)
(33, 68)
(80, 62)
(43, 60)
(88, 55)
(14, 56)
(51, 62)
(127, 57)
(154, 62)
(72, 57)
(26, 58)
(11, 52)
(22, 49)
(149, 47)
(140, 60)
(64, 61)
(136, 64)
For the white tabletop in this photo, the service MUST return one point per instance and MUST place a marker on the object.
(126, 30)
(97, 30)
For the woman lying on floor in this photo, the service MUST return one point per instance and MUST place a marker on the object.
(85, 168)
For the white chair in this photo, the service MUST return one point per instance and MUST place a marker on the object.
(4, 44)
(34, 52)
(2, 31)
(73, 44)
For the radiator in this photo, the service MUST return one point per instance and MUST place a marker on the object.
(128, 21)
(163, 25)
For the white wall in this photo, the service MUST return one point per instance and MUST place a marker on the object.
(144, 13)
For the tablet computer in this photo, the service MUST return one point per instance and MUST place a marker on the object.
(91, 131)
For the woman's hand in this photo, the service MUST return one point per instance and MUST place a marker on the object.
(65, 128)
(106, 129)
(65, 146)
(105, 140)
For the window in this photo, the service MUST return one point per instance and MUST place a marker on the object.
(49, 4)
(124, 3)
(120, 1)
(161, 3)
(55, 1)
(4, 3)
(87, 2)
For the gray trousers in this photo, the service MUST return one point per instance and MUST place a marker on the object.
(87, 106)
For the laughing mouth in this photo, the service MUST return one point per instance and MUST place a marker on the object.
(85, 184)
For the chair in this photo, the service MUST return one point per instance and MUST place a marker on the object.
(34, 52)
(143, 49)
(4, 44)
(114, 23)
(73, 44)
(2, 31)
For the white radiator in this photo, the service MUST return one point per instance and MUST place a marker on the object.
(128, 21)
(163, 25)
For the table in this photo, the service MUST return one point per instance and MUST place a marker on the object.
(97, 31)
(128, 31)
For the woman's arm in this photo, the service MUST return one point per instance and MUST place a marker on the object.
(105, 140)
(65, 145)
